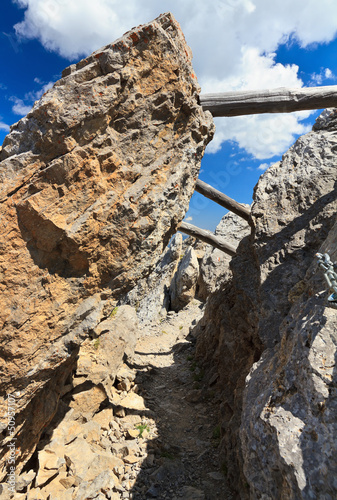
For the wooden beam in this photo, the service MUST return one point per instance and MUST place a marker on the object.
(222, 199)
(282, 100)
(207, 237)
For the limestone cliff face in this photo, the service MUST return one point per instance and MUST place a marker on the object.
(271, 336)
(94, 181)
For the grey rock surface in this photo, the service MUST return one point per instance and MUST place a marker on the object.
(100, 359)
(214, 267)
(268, 337)
(151, 297)
(327, 120)
(295, 415)
(184, 283)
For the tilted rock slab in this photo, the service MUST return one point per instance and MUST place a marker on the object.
(184, 282)
(94, 181)
(214, 267)
(270, 336)
(151, 296)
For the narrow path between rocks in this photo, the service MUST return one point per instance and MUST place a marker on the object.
(180, 425)
(156, 436)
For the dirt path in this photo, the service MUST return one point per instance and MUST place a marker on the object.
(156, 437)
(182, 458)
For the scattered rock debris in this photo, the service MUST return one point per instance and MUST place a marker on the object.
(156, 437)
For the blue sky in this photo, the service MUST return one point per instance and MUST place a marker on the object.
(237, 44)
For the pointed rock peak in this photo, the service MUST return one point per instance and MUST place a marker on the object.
(94, 181)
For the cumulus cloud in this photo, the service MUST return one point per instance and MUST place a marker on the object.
(264, 166)
(263, 136)
(4, 126)
(233, 42)
(19, 107)
(324, 74)
(216, 31)
(22, 106)
(267, 135)
(253, 71)
(39, 93)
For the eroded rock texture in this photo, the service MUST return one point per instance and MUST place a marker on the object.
(184, 283)
(151, 297)
(94, 181)
(271, 337)
(214, 267)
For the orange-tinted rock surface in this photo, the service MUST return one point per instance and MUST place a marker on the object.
(94, 181)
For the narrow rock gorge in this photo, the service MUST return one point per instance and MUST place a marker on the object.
(134, 363)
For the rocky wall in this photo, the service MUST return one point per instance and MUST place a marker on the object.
(94, 181)
(268, 336)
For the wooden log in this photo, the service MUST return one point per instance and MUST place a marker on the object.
(282, 100)
(222, 199)
(207, 237)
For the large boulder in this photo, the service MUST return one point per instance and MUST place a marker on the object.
(184, 282)
(94, 181)
(269, 338)
(151, 297)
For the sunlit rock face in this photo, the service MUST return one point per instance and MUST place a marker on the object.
(269, 336)
(94, 181)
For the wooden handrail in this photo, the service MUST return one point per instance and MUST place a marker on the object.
(207, 237)
(282, 100)
(222, 199)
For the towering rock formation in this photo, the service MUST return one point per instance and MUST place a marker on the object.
(94, 181)
(269, 334)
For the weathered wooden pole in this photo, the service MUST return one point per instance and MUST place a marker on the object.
(207, 237)
(282, 100)
(222, 199)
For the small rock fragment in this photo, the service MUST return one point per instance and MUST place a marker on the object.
(131, 459)
(132, 433)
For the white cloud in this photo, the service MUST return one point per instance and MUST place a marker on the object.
(267, 135)
(188, 219)
(324, 74)
(317, 78)
(21, 107)
(39, 93)
(263, 136)
(216, 31)
(4, 126)
(264, 166)
(233, 43)
(254, 71)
